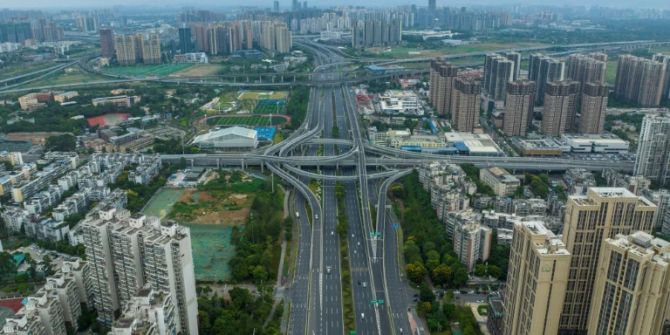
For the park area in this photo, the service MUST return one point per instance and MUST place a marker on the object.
(210, 211)
(251, 120)
(141, 70)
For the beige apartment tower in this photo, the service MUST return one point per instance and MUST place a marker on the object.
(631, 295)
(151, 49)
(465, 104)
(125, 49)
(602, 213)
(593, 107)
(442, 76)
(536, 280)
(560, 107)
(519, 105)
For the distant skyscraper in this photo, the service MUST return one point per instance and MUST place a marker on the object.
(559, 107)
(640, 80)
(432, 5)
(543, 69)
(653, 149)
(377, 32)
(515, 57)
(593, 106)
(185, 40)
(296, 5)
(632, 285)
(519, 105)
(465, 104)
(536, 280)
(498, 71)
(442, 76)
(602, 213)
(275, 6)
(106, 43)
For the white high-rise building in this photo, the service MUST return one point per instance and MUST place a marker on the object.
(653, 149)
(128, 253)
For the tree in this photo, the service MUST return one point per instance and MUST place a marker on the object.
(415, 272)
(480, 270)
(64, 142)
(425, 308)
(442, 274)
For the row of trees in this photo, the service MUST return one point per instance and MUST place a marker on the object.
(257, 243)
(241, 314)
(430, 258)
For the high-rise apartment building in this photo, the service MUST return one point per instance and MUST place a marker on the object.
(537, 278)
(148, 309)
(653, 149)
(126, 52)
(498, 71)
(376, 32)
(593, 106)
(442, 76)
(665, 59)
(106, 43)
(465, 104)
(589, 68)
(276, 37)
(519, 105)
(602, 213)
(432, 5)
(560, 107)
(472, 242)
(185, 40)
(543, 69)
(640, 80)
(126, 253)
(151, 49)
(631, 295)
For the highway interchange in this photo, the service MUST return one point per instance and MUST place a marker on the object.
(382, 298)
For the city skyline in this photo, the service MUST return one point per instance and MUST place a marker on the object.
(286, 5)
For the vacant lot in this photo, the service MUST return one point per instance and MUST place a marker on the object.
(65, 77)
(258, 95)
(199, 70)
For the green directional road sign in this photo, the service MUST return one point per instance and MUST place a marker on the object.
(377, 302)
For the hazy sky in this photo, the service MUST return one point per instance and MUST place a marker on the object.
(45, 4)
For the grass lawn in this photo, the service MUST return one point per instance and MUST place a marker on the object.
(610, 75)
(140, 70)
(199, 70)
(19, 69)
(73, 76)
(483, 310)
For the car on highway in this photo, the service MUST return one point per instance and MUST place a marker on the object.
(328, 268)
(365, 284)
(316, 216)
(297, 214)
(362, 315)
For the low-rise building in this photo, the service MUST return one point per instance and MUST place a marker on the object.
(228, 138)
(118, 101)
(502, 182)
(400, 102)
(35, 100)
(608, 144)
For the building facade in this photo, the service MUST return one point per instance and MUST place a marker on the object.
(519, 105)
(560, 107)
(536, 280)
(465, 104)
(442, 77)
(653, 150)
(542, 70)
(602, 213)
(594, 99)
(631, 295)
(640, 80)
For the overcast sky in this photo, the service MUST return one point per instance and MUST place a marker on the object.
(46, 4)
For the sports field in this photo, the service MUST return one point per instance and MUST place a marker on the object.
(212, 251)
(255, 120)
(140, 70)
(258, 95)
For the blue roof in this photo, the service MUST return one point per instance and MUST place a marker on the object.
(266, 133)
(460, 146)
